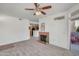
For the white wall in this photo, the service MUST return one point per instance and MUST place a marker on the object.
(34, 22)
(13, 30)
(58, 30)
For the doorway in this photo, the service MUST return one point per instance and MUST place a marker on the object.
(34, 28)
(75, 37)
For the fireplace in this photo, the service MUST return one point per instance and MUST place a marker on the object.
(44, 37)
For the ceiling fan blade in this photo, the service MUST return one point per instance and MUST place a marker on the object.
(36, 5)
(46, 7)
(29, 9)
(43, 13)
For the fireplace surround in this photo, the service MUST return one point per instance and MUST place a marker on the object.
(44, 37)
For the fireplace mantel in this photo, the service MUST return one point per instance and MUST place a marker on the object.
(43, 33)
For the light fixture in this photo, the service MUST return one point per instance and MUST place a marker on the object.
(38, 13)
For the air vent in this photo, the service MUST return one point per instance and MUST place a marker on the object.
(75, 13)
(76, 18)
(59, 18)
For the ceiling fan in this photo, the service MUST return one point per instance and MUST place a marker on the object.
(39, 9)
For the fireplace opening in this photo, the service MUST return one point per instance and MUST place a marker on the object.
(44, 37)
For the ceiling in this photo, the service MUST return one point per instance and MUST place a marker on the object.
(17, 9)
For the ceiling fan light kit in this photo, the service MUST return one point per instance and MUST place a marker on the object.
(38, 13)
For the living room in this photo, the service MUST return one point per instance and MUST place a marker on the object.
(55, 22)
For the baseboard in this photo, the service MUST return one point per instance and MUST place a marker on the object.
(3, 47)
